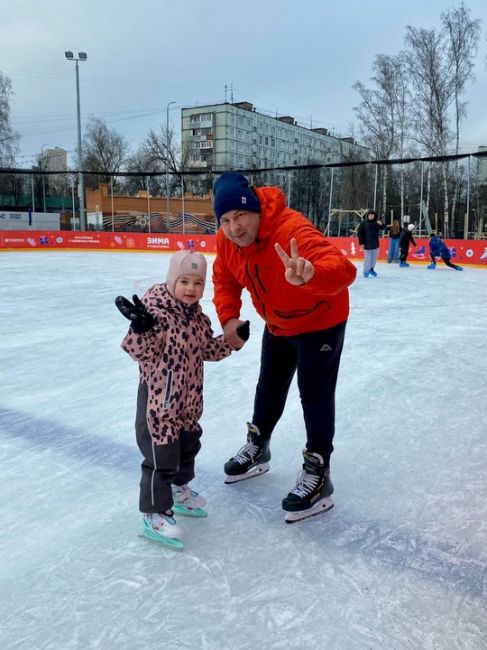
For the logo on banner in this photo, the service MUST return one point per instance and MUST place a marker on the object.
(157, 241)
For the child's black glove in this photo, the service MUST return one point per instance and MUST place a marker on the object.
(140, 319)
(243, 331)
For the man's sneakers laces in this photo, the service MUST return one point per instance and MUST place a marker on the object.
(251, 460)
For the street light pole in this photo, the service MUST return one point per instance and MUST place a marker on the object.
(43, 177)
(81, 188)
(167, 169)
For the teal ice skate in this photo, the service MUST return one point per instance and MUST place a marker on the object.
(163, 529)
(187, 502)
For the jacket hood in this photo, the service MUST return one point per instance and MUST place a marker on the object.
(272, 201)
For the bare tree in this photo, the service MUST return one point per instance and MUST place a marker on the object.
(104, 151)
(462, 34)
(383, 112)
(432, 93)
(310, 194)
(9, 140)
(141, 162)
(161, 148)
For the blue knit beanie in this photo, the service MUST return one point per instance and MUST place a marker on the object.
(233, 192)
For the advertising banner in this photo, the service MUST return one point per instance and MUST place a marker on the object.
(462, 251)
(92, 240)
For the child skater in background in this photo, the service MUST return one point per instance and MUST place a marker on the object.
(405, 239)
(170, 337)
(438, 248)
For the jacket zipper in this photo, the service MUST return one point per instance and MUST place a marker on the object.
(258, 278)
(251, 279)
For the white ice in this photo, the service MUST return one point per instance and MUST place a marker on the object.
(399, 563)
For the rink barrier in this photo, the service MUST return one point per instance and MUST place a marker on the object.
(463, 251)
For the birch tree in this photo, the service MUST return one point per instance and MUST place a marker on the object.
(382, 113)
(9, 140)
(461, 34)
(432, 94)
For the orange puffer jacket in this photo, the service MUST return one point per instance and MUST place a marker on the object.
(287, 310)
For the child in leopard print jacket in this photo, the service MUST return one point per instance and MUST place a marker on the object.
(170, 337)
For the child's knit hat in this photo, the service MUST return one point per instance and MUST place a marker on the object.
(185, 263)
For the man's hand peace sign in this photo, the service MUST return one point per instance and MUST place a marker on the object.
(298, 270)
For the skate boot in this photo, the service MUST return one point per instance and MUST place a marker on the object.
(162, 528)
(431, 266)
(403, 264)
(251, 460)
(366, 274)
(311, 495)
(373, 273)
(188, 502)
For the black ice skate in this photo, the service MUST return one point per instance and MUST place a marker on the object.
(251, 460)
(311, 495)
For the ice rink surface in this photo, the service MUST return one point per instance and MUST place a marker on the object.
(399, 563)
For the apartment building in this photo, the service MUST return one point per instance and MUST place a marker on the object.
(235, 136)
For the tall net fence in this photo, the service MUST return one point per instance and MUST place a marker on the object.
(444, 194)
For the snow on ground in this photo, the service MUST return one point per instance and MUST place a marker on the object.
(399, 563)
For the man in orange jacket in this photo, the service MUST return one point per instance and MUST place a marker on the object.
(298, 284)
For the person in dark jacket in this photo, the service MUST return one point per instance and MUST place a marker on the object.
(394, 234)
(368, 238)
(405, 239)
(438, 248)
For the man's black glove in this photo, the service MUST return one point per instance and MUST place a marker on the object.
(243, 330)
(140, 319)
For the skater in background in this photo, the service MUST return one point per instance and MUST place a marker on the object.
(438, 248)
(170, 337)
(368, 238)
(394, 230)
(298, 283)
(405, 239)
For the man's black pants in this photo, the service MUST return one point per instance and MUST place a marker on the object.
(316, 358)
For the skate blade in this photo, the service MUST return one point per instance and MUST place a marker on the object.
(258, 470)
(323, 506)
(189, 512)
(170, 542)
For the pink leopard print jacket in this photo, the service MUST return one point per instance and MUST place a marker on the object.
(170, 358)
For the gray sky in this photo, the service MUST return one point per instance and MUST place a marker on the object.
(293, 58)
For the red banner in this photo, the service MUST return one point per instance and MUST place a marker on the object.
(462, 251)
(87, 240)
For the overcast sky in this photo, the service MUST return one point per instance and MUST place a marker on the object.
(286, 57)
